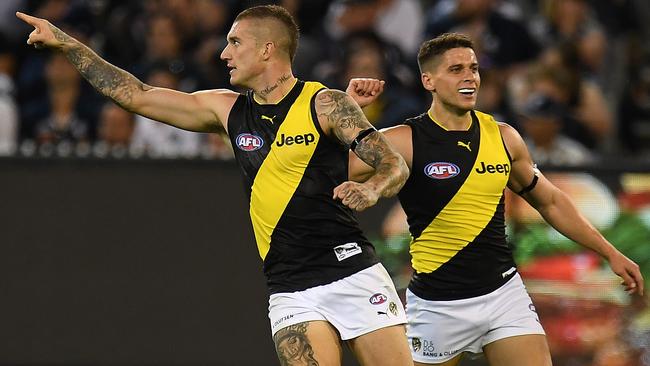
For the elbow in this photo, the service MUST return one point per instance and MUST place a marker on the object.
(131, 97)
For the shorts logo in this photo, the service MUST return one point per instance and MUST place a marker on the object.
(508, 272)
(249, 142)
(428, 349)
(346, 251)
(532, 308)
(416, 343)
(441, 170)
(392, 307)
(378, 299)
(279, 321)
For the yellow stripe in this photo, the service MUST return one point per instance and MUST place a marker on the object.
(469, 211)
(282, 170)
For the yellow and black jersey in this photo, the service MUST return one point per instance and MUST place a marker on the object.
(454, 201)
(290, 169)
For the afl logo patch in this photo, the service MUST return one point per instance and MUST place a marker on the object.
(378, 299)
(249, 142)
(441, 170)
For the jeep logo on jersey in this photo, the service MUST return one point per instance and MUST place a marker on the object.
(378, 299)
(249, 142)
(306, 139)
(441, 170)
(489, 168)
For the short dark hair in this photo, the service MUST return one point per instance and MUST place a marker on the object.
(280, 14)
(435, 47)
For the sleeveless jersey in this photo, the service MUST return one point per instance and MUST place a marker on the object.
(290, 169)
(454, 201)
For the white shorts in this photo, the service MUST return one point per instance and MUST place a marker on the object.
(355, 305)
(440, 330)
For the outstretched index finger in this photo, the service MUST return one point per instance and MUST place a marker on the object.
(28, 19)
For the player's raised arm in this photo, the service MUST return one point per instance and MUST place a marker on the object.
(561, 213)
(341, 117)
(201, 111)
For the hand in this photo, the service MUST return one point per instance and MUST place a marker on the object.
(44, 35)
(355, 195)
(365, 90)
(629, 272)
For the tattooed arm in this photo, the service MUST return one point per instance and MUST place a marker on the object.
(400, 137)
(342, 118)
(201, 111)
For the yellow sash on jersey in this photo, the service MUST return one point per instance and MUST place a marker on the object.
(471, 208)
(283, 169)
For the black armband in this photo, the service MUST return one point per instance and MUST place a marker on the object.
(530, 186)
(362, 135)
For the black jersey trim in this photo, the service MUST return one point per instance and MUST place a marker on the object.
(314, 115)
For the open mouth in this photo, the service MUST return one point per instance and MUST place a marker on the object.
(467, 91)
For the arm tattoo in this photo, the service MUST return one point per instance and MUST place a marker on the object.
(293, 347)
(109, 80)
(342, 113)
(346, 118)
(389, 167)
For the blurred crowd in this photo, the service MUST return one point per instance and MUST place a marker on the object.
(573, 76)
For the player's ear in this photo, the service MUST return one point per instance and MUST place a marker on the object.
(267, 50)
(428, 81)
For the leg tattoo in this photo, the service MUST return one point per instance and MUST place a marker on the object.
(292, 346)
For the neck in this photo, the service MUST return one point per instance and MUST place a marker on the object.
(272, 88)
(450, 119)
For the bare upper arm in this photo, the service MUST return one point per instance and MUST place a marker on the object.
(399, 137)
(524, 169)
(202, 111)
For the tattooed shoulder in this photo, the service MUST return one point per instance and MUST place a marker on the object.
(341, 113)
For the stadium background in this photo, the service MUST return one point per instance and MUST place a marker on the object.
(128, 243)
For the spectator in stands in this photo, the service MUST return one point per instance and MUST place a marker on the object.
(63, 117)
(502, 38)
(399, 22)
(161, 140)
(365, 55)
(164, 45)
(574, 21)
(542, 122)
(493, 97)
(115, 129)
(34, 92)
(634, 113)
(8, 109)
(211, 20)
(589, 119)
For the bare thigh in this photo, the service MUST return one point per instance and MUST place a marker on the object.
(523, 350)
(382, 347)
(314, 343)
